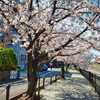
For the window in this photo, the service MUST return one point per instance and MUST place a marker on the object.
(10, 42)
(23, 57)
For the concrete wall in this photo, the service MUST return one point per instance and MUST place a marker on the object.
(4, 75)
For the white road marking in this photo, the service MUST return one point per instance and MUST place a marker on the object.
(45, 74)
(13, 82)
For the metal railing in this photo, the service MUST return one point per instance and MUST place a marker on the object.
(7, 89)
(93, 78)
(42, 82)
(46, 81)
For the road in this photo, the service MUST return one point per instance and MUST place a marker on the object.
(19, 87)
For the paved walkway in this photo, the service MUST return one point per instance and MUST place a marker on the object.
(75, 87)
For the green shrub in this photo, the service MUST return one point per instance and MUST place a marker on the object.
(8, 59)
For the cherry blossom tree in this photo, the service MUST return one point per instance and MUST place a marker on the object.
(52, 26)
(75, 56)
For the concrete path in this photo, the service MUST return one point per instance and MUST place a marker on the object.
(75, 87)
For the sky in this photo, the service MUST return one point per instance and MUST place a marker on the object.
(96, 1)
(96, 52)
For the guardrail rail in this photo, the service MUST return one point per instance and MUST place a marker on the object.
(93, 78)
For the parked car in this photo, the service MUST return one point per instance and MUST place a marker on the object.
(44, 67)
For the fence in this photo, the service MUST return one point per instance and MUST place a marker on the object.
(93, 78)
(42, 82)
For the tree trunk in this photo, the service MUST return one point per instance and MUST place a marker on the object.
(62, 71)
(31, 90)
(32, 71)
(31, 76)
(29, 66)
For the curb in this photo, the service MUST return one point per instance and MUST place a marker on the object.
(16, 96)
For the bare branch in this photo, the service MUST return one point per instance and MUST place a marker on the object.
(92, 44)
(54, 9)
(70, 40)
(35, 38)
(63, 8)
(75, 52)
(66, 16)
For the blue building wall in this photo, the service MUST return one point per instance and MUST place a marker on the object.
(21, 52)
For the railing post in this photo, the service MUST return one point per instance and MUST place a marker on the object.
(95, 82)
(50, 79)
(80, 70)
(90, 76)
(58, 75)
(55, 77)
(43, 82)
(7, 92)
(39, 87)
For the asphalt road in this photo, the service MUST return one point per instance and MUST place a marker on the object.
(19, 87)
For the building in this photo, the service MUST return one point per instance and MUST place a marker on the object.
(21, 52)
(97, 60)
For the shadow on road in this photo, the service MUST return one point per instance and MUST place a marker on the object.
(68, 75)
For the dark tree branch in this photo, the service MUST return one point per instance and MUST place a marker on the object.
(45, 62)
(54, 9)
(14, 8)
(23, 23)
(3, 2)
(47, 42)
(90, 44)
(31, 3)
(37, 13)
(89, 12)
(61, 19)
(37, 1)
(75, 52)
(13, 26)
(35, 38)
(30, 8)
(97, 29)
(42, 56)
(63, 8)
(9, 22)
(70, 40)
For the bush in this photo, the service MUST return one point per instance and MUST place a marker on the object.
(8, 59)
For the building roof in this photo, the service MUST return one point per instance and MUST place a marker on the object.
(97, 60)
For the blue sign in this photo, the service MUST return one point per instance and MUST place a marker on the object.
(13, 74)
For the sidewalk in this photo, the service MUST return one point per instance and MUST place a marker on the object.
(75, 87)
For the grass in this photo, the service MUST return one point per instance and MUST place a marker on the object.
(95, 65)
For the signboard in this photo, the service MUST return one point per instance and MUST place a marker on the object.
(13, 74)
